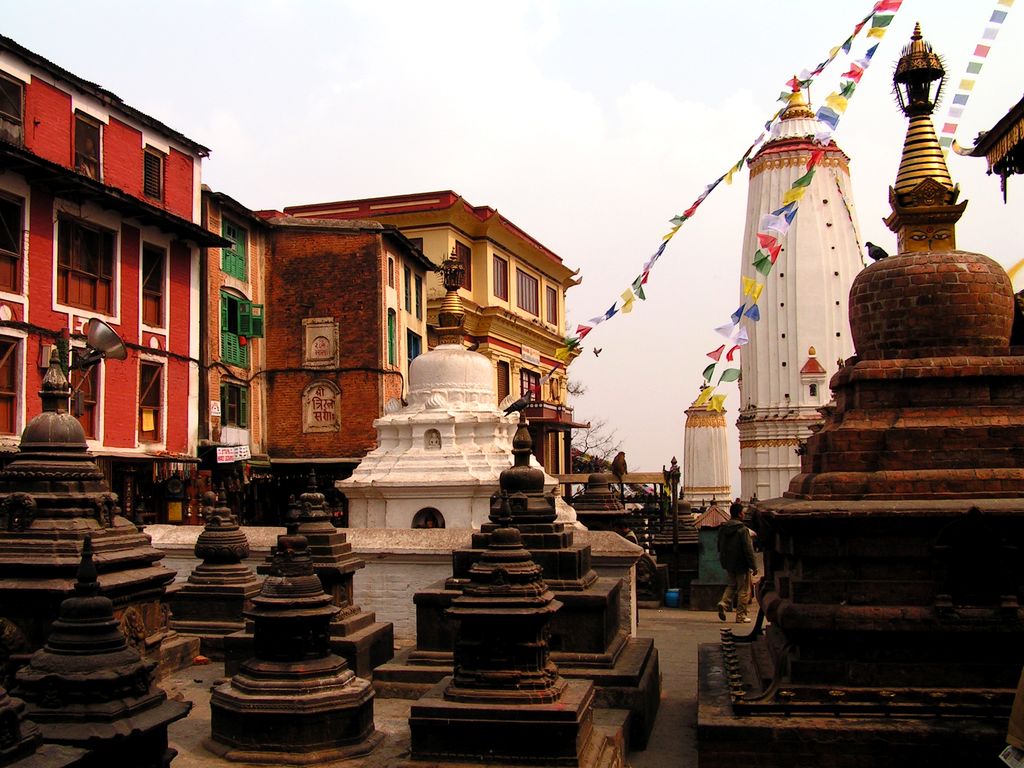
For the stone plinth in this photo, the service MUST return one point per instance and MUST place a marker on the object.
(210, 605)
(294, 702)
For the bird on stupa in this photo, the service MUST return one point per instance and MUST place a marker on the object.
(876, 252)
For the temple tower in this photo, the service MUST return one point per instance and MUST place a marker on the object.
(803, 304)
(893, 587)
(705, 456)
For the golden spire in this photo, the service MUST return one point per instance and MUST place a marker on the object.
(923, 200)
(797, 107)
(451, 313)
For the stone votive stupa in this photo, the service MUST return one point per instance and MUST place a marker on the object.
(440, 452)
(356, 635)
(21, 742)
(52, 495)
(294, 702)
(506, 702)
(220, 589)
(590, 637)
(893, 575)
(598, 506)
(88, 689)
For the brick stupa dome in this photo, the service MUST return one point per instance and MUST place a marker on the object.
(923, 304)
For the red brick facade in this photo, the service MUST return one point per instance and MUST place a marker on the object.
(81, 257)
(337, 273)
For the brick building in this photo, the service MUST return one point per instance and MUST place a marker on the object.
(513, 294)
(232, 426)
(310, 328)
(99, 218)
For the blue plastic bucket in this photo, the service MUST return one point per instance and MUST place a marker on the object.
(672, 598)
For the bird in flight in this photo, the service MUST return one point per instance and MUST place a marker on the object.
(597, 351)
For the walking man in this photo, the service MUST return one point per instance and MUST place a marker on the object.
(736, 554)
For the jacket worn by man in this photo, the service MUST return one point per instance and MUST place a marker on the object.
(735, 550)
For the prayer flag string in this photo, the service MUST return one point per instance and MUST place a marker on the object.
(880, 17)
(773, 226)
(947, 135)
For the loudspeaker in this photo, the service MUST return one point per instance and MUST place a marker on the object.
(103, 341)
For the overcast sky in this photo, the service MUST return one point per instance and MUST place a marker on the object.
(587, 123)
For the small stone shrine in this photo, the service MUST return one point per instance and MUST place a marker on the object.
(21, 742)
(356, 635)
(210, 605)
(52, 495)
(894, 575)
(295, 701)
(506, 702)
(587, 638)
(88, 689)
(598, 506)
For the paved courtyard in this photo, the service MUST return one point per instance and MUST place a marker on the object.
(676, 632)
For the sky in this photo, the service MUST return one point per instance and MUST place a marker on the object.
(588, 123)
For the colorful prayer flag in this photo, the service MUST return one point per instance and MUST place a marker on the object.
(705, 394)
(709, 372)
(717, 353)
(729, 374)
(753, 313)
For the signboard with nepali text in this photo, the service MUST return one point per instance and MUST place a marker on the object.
(232, 453)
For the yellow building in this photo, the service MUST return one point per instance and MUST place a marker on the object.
(513, 294)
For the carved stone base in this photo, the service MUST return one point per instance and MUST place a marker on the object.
(550, 734)
(282, 709)
(727, 739)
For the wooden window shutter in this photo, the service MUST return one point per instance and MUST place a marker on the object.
(243, 406)
(244, 318)
(256, 321)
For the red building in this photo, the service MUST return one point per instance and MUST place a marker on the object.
(99, 218)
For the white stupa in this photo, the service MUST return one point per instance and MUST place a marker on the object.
(804, 326)
(438, 458)
(705, 457)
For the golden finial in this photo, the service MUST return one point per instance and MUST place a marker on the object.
(923, 199)
(451, 313)
(797, 106)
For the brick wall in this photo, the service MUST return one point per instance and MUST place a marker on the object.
(122, 157)
(178, 184)
(316, 273)
(48, 122)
